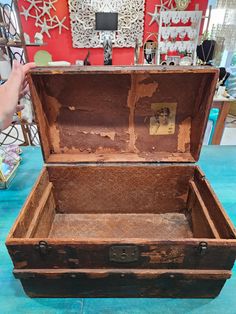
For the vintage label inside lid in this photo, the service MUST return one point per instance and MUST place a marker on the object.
(163, 120)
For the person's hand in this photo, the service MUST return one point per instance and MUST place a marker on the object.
(11, 92)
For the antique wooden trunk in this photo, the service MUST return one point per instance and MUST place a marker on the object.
(120, 209)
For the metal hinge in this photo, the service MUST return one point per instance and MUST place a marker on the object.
(43, 248)
(202, 248)
(124, 253)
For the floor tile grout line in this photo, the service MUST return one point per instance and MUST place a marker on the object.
(82, 307)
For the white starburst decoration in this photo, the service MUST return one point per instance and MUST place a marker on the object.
(155, 16)
(44, 14)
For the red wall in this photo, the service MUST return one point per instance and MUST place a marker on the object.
(60, 46)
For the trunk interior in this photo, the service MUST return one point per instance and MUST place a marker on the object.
(129, 202)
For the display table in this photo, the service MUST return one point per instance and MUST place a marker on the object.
(223, 104)
(219, 164)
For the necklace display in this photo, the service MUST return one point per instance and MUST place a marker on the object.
(205, 59)
(220, 82)
(205, 51)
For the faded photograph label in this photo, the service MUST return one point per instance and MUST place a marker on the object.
(163, 120)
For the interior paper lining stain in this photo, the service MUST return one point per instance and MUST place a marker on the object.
(138, 90)
(184, 135)
(111, 135)
(53, 113)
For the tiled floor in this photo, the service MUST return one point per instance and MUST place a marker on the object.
(229, 136)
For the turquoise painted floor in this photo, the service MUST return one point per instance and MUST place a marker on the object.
(219, 164)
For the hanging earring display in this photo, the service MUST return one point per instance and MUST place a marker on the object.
(166, 18)
(176, 18)
(166, 34)
(172, 37)
(194, 18)
(44, 14)
(182, 34)
(192, 34)
(174, 33)
(185, 19)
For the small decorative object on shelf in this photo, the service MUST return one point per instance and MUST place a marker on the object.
(27, 38)
(3, 41)
(172, 60)
(42, 58)
(186, 61)
(107, 46)
(150, 48)
(38, 38)
(59, 63)
(136, 52)
(107, 25)
(12, 42)
(182, 4)
(79, 62)
(86, 60)
(9, 162)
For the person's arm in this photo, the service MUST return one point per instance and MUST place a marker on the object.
(10, 93)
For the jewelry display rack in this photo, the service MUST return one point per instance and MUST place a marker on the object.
(13, 44)
(178, 31)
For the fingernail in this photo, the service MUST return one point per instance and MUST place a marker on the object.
(15, 64)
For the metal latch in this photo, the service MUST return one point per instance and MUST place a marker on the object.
(43, 248)
(202, 248)
(124, 253)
